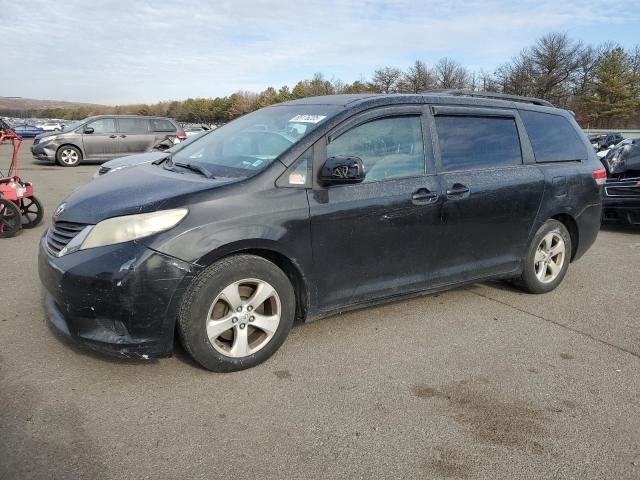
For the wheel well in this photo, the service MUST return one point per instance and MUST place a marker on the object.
(290, 269)
(568, 221)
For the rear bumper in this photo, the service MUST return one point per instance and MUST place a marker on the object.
(121, 299)
(588, 223)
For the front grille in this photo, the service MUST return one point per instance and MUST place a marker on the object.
(61, 233)
(623, 189)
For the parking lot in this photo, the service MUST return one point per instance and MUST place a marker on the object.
(478, 382)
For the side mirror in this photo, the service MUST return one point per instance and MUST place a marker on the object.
(89, 130)
(342, 170)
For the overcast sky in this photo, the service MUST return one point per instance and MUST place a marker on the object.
(117, 52)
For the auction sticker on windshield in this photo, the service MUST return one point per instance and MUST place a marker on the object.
(308, 118)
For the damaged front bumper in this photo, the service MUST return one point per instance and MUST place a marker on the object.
(621, 201)
(119, 299)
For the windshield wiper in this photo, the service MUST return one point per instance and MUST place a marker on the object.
(161, 160)
(195, 168)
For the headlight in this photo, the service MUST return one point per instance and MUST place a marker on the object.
(132, 227)
(47, 139)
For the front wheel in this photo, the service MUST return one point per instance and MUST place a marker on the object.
(236, 313)
(547, 258)
(68, 156)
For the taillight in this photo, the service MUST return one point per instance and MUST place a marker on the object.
(600, 176)
(181, 135)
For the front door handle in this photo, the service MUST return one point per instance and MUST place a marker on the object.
(113, 136)
(457, 190)
(424, 195)
(123, 136)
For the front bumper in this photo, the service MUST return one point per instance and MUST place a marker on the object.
(45, 151)
(120, 299)
(621, 210)
(621, 201)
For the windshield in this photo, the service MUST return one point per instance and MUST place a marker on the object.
(73, 126)
(250, 143)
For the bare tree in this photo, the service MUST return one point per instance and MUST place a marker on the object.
(450, 74)
(386, 80)
(417, 79)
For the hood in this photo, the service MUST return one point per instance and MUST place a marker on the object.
(622, 159)
(120, 193)
(45, 134)
(132, 160)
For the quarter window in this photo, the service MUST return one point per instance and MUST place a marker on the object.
(133, 125)
(388, 147)
(104, 125)
(477, 142)
(552, 137)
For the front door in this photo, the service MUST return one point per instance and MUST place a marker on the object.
(377, 238)
(491, 195)
(100, 139)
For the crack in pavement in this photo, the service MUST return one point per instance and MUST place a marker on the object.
(571, 329)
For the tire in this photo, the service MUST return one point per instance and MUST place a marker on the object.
(543, 271)
(32, 212)
(10, 219)
(238, 340)
(68, 156)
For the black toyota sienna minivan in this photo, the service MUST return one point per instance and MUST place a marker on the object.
(313, 207)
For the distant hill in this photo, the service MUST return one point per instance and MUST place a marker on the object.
(13, 103)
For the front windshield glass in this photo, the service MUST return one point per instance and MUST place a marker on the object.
(73, 126)
(250, 143)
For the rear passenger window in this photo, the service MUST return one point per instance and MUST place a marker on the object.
(388, 147)
(477, 142)
(133, 125)
(552, 137)
(162, 125)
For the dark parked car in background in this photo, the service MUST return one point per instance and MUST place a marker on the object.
(375, 198)
(27, 131)
(104, 137)
(621, 195)
(121, 163)
(607, 140)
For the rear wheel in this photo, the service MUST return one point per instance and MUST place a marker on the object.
(32, 212)
(10, 219)
(236, 313)
(68, 156)
(547, 259)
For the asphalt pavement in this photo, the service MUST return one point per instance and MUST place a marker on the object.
(477, 382)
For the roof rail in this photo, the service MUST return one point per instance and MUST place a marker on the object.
(497, 96)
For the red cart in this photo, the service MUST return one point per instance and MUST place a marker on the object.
(19, 208)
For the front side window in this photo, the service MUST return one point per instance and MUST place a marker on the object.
(477, 142)
(388, 147)
(133, 125)
(252, 142)
(104, 125)
(552, 137)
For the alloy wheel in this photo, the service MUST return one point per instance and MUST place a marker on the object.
(68, 156)
(243, 317)
(550, 257)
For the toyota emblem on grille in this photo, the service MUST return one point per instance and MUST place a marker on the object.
(59, 210)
